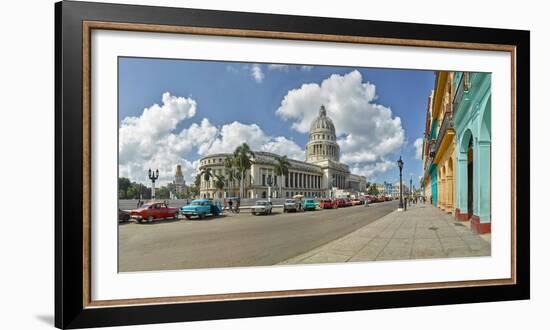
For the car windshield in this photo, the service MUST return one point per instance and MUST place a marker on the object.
(196, 203)
(261, 203)
(146, 206)
(310, 201)
(289, 201)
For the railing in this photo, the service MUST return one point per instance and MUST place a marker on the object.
(446, 124)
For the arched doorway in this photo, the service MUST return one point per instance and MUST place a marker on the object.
(264, 194)
(470, 176)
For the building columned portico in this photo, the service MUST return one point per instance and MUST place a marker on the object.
(320, 175)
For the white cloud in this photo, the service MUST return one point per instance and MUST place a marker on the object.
(257, 73)
(151, 141)
(367, 132)
(418, 148)
(232, 135)
(306, 67)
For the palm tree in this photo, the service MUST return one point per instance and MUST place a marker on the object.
(207, 173)
(281, 169)
(229, 171)
(242, 159)
(219, 182)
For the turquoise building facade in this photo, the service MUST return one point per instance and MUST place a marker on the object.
(472, 123)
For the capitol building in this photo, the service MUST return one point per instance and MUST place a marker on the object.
(320, 175)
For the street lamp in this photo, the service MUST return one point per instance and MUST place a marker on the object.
(269, 183)
(400, 164)
(153, 176)
(410, 188)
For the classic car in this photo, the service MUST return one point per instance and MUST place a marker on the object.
(340, 202)
(356, 201)
(200, 208)
(123, 216)
(153, 211)
(327, 204)
(292, 205)
(262, 207)
(309, 204)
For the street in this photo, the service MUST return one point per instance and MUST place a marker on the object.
(238, 240)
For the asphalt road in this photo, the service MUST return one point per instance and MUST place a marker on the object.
(237, 240)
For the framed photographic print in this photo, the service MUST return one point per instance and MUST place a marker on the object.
(218, 164)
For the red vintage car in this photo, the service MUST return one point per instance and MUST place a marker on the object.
(327, 204)
(356, 201)
(153, 211)
(340, 202)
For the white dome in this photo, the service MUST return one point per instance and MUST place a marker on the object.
(322, 139)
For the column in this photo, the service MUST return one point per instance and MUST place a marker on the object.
(484, 182)
(461, 185)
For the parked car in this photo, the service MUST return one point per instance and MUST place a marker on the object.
(123, 216)
(356, 201)
(327, 204)
(340, 202)
(200, 208)
(292, 205)
(309, 204)
(154, 211)
(262, 207)
(371, 199)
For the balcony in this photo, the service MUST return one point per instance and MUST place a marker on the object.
(445, 135)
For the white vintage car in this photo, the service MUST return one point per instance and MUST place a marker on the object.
(262, 207)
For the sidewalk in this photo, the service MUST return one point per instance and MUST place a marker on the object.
(422, 231)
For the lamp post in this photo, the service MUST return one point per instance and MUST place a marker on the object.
(410, 188)
(400, 164)
(153, 176)
(269, 183)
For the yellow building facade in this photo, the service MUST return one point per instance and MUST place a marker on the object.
(444, 148)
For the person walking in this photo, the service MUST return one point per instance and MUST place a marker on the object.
(138, 203)
(230, 205)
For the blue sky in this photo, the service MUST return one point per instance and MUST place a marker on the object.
(252, 93)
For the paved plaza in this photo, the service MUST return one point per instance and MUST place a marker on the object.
(422, 231)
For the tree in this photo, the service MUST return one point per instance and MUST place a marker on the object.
(132, 193)
(229, 163)
(243, 161)
(281, 169)
(123, 184)
(194, 190)
(373, 190)
(162, 192)
(219, 182)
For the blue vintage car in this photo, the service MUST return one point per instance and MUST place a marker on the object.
(200, 208)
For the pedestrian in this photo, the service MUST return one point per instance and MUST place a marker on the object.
(138, 203)
(366, 203)
(230, 205)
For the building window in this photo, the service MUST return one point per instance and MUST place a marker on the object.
(275, 180)
(263, 179)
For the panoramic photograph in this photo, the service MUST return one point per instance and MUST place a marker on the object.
(243, 164)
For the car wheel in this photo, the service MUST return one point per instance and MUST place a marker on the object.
(150, 219)
(201, 216)
(187, 217)
(175, 217)
(253, 213)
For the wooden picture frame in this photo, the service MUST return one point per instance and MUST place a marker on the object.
(74, 307)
